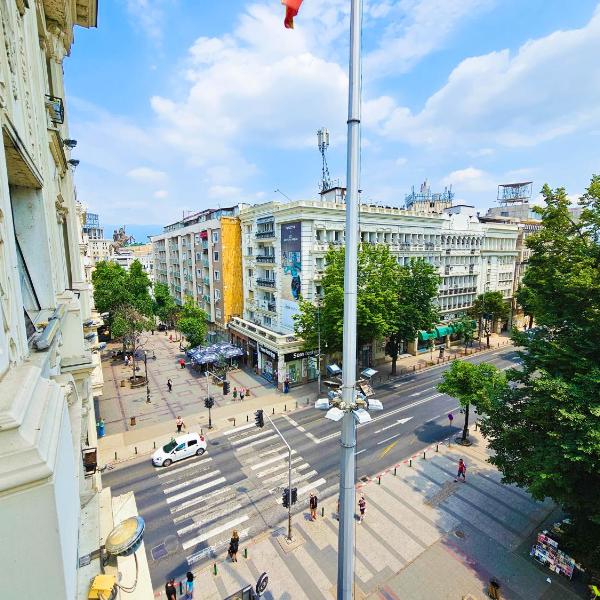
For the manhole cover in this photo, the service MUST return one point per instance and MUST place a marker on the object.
(460, 534)
(171, 544)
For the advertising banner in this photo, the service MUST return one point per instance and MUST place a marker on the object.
(291, 260)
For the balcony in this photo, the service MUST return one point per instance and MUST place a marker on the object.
(265, 258)
(266, 305)
(206, 280)
(205, 262)
(263, 282)
(262, 235)
(206, 298)
(56, 109)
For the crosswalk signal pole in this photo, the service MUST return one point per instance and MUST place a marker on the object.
(289, 490)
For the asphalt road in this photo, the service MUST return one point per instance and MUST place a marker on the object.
(191, 507)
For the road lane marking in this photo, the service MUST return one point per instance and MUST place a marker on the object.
(195, 490)
(360, 452)
(283, 465)
(398, 422)
(296, 478)
(249, 437)
(189, 482)
(179, 469)
(388, 448)
(215, 515)
(388, 439)
(276, 448)
(216, 531)
(270, 461)
(255, 442)
(198, 500)
(236, 429)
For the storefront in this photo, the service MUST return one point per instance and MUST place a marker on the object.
(268, 363)
(301, 367)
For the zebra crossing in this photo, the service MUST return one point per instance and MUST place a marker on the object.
(204, 502)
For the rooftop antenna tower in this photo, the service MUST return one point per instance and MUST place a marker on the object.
(515, 193)
(323, 140)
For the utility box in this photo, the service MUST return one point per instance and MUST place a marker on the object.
(103, 587)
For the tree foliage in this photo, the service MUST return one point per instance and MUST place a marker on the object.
(416, 288)
(471, 384)
(164, 306)
(192, 323)
(465, 328)
(488, 308)
(545, 427)
(128, 325)
(377, 275)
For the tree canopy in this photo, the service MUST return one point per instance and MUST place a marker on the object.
(165, 307)
(471, 384)
(192, 323)
(465, 327)
(544, 428)
(489, 307)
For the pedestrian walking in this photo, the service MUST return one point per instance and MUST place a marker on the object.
(171, 590)
(450, 418)
(234, 545)
(126, 360)
(179, 422)
(234, 393)
(242, 393)
(170, 385)
(189, 586)
(462, 471)
(182, 363)
(247, 392)
(170, 338)
(313, 503)
(362, 506)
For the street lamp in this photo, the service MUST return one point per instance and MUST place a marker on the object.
(319, 341)
(146, 375)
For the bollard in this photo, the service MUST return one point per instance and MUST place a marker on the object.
(135, 447)
(273, 410)
(201, 432)
(154, 445)
(437, 447)
(214, 568)
(285, 408)
(246, 418)
(245, 552)
(414, 368)
(234, 421)
(476, 422)
(181, 587)
(395, 470)
(296, 403)
(322, 511)
(410, 462)
(115, 456)
(307, 400)
(424, 455)
(379, 479)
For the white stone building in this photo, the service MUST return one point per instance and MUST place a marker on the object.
(49, 369)
(283, 252)
(127, 254)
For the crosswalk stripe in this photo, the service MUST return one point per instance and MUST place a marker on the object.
(284, 473)
(241, 428)
(185, 467)
(214, 548)
(275, 468)
(195, 490)
(269, 461)
(189, 482)
(311, 486)
(277, 448)
(215, 531)
(255, 442)
(250, 437)
(216, 515)
(198, 500)
(296, 478)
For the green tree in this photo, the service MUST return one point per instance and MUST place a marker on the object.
(416, 289)
(545, 428)
(489, 307)
(111, 290)
(128, 325)
(138, 284)
(192, 323)
(471, 384)
(377, 275)
(526, 299)
(465, 327)
(165, 307)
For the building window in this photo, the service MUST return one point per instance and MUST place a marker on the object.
(249, 251)
(250, 273)
(217, 313)
(215, 256)
(215, 237)
(217, 294)
(217, 275)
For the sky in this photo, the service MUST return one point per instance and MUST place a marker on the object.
(181, 105)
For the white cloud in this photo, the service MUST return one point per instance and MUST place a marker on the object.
(148, 15)
(224, 191)
(147, 175)
(470, 179)
(161, 194)
(512, 99)
(417, 28)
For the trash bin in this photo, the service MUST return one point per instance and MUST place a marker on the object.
(122, 383)
(100, 428)
(132, 420)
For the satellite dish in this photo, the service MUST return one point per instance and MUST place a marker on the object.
(126, 537)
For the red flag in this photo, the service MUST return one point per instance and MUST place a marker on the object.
(291, 10)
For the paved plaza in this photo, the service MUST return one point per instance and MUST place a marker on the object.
(424, 537)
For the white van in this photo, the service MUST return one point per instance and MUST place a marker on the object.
(183, 446)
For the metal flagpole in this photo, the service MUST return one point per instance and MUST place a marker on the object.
(345, 579)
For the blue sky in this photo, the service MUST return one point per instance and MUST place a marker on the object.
(182, 105)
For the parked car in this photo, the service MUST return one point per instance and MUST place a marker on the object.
(183, 446)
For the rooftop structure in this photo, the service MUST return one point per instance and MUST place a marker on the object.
(426, 201)
(515, 193)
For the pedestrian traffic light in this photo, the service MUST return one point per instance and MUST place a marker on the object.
(285, 498)
(259, 419)
(209, 402)
(225, 388)
(294, 495)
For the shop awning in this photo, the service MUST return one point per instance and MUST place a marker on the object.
(427, 335)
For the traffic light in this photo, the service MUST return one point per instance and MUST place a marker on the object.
(209, 402)
(259, 419)
(294, 495)
(225, 388)
(285, 498)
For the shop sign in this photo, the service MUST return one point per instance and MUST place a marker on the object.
(268, 352)
(298, 355)
(251, 343)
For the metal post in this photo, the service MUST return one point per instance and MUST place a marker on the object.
(146, 375)
(319, 342)
(345, 577)
(289, 480)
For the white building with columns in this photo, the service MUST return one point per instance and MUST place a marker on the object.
(49, 367)
(283, 258)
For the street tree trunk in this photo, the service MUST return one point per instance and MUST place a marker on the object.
(466, 427)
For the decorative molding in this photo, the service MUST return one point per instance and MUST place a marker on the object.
(61, 209)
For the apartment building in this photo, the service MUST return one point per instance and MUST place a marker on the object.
(97, 246)
(283, 258)
(49, 368)
(125, 255)
(199, 257)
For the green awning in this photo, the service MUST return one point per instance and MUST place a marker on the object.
(427, 335)
(443, 330)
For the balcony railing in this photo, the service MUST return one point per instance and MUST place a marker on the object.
(265, 258)
(56, 109)
(269, 233)
(270, 283)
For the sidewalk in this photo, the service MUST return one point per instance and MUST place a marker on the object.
(157, 427)
(424, 536)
